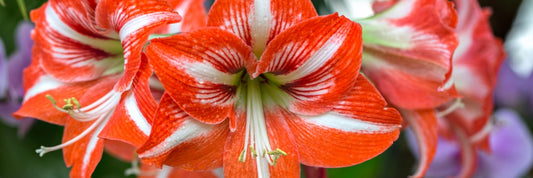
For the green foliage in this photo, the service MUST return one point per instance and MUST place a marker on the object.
(10, 16)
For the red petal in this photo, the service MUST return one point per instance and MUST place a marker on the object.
(279, 137)
(200, 70)
(316, 62)
(121, 150)
(194, 16)
(468, 153)
(411, 63)
(425, 128)
(84, 154)
(176, 172)
(132, 118)
(134, 25)
(476, 63)
(79, 16)
(173, 172)
(380, 6)
(357, 129)
(71, 52)
(179, 140)
(37, 105)
(258, 22)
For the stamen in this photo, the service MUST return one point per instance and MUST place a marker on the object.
(456, 105)
(242, 157)
(254, 154)
(88, 113)
(77, 103)
(51, 99)
(256, 134)
(43, 150)
(69, 106)
(277, 153)
(485, 131)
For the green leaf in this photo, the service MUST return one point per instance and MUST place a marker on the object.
(22, 8)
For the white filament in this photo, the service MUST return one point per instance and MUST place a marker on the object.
(256, 132)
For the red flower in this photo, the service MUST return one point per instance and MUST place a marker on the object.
(89, 54)
(407, 51)
(476, 62)
(274, 86)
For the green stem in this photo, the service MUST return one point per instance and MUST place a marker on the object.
(22, 8)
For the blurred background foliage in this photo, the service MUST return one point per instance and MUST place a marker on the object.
(18, 157)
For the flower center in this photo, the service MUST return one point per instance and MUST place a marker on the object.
(256, 141)
(99, 111)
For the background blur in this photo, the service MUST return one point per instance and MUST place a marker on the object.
(18, 157)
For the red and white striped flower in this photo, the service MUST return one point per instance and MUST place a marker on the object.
(89, 55)
(408, 47)
(267, 86)
(476, 63)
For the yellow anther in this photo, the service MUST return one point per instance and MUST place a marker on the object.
(68, 106)
(241, 157)
(277, 154)
(76, 102)
(254, 153)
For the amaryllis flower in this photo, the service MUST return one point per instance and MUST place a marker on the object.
(87, 71)
(407, 51)
(511, 156)
(11, 90)
(476, 63)
(172, 172)
(272, 87)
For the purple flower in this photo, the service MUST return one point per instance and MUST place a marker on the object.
(11, 89)
(515, 82)
(512, 89)
(3, 71)
(510, 142)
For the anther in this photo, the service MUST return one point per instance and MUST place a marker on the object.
(254, 153)
(277, 154)
(77, 103)
(242, 156)
(68, 106)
